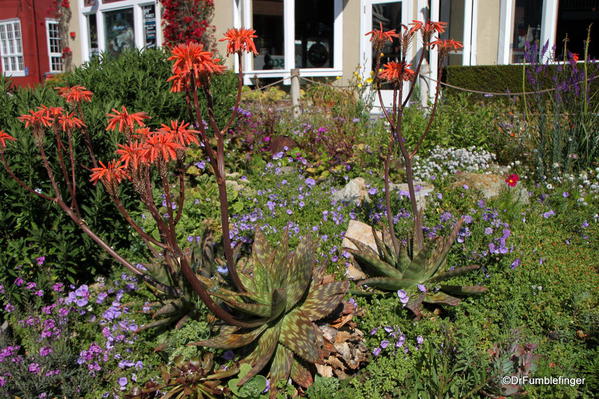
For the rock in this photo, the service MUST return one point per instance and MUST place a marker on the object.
(360, 232)
(491, 185)
(423, 190)
(355, 192)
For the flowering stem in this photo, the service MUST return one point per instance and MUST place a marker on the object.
(431, 117)
(388, 199)
(21, 182)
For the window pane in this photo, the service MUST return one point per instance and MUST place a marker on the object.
(5, 64)
(9, 38)
(120, 34)
(3, 38)
(527, 26)
(314, 20)
(268, 23)
(452, 12)
(149, 13)
(13, 64)
(573, 19)
(389, 15)
(20, 63)
(93, 34)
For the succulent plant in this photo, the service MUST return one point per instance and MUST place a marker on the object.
(285, 295)
(406, 267)
(184, 379)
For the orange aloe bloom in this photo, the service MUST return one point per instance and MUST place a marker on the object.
(416, 26)
(240, 40)
(113, 173)
(438, 27)
(125, 120)
(396, 71)
(191, 60)
(4, 137)
(161, 145)
(39, 118)
(75, 94)
(448, 45)
(181, 134)
(69, 122)
(142, 133)
(380, 36)
(131, 154)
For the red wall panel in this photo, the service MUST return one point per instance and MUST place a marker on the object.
(32, 14)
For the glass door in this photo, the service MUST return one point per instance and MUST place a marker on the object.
(391, 14)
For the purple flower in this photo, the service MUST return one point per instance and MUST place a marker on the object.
(403, 297)
(101, 297)
(548, 214)
(467, 219)
(376, 351)
(400, 341)
(228, 355)
(34, 368)
(488, 231)
(45, 351)
(30, 285)
(465, 187)
(373, 331)
(584, 224)
(419, 340)
(565, 194)
(384, 343)
(421, 287)
(19, 281)
(200, 165)
(372, 191)
(310, 182)
(123, 382)
(516, 263)
(9, 308)
(41, 260)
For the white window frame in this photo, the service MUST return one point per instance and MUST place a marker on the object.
(99, 8)
(55, 54)
(243, 18)
(506, 30)
(4, 45)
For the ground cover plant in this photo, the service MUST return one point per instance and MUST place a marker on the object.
(240, 279)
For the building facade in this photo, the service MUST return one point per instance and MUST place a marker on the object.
(323, 38)
(30, 43)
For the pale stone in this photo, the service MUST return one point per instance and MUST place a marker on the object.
(355, 191)
(491, 185)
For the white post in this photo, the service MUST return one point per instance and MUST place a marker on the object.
(506, 31)
(295, 92)
(467, 32)
(549, 27)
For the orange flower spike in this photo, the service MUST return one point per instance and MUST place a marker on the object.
(397, 71)
(438, 27)
(125, 120)
(114, 172)
(142, 133)
(39, 118)
(240, 40)
(181, 134)
(380, 36)
(448, 45)
(191, 57)
(416, 26)
(131, 154)
(70, 122)
(75, 94)
(4, 137)
(161, 145)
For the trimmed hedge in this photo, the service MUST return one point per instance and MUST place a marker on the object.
(504, 78)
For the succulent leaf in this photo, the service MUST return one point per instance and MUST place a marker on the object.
(373, 264)
(281, 364)
(299, 335)
(323, 299)
(299, 272)
(452, 273)
(441, 297)
(300, 374)
(232, 341)
(464, 289)
(267, 344)
(385, 283)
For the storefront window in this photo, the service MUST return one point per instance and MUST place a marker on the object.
(314, 22)
(93, 35)
(120, 33)
(268, 23)
(149, 18)
(527, 27)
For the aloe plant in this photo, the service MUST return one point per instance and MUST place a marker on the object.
(405, 267)
(286, 294)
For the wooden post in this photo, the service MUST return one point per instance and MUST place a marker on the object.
(295, 92)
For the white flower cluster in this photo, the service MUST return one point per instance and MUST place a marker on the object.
(586, 181)
(442, 162)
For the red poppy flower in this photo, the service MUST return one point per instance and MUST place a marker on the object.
(113, 173)
(75, 94)
(240, 40)
(4, 137)
(125, 120)
(512, 180)
(396, 71)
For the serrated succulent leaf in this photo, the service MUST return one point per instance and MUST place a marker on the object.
(452, 273)
(232, 341)
(299, 272)
(301, 375)
(298, 334)
(281, 365)
(415, 304)
(384, 283)
(441, 297)
(441, 252)
(323, 299)
(261, 251)
(363, 248)
(464, 290)
(279, 303)
(256, 309)
(261, 355)
(419, 268)
(374, 265)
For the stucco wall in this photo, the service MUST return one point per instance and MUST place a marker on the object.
(75, 25)
(223, 21)
(351, 39)
(488, 32)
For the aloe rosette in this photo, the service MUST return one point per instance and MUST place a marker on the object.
(408, 267)
(285, 295)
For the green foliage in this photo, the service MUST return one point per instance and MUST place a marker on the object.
(252, 389)
(287, 294)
